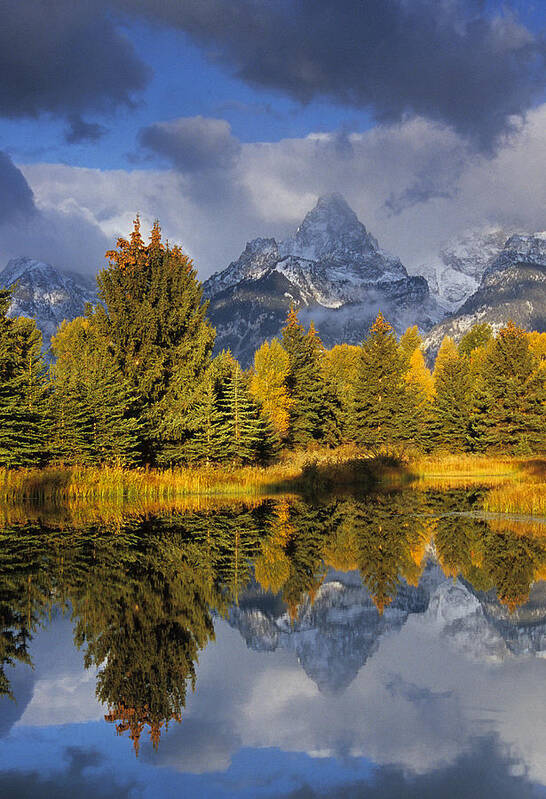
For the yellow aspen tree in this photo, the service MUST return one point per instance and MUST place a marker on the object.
(268, 384)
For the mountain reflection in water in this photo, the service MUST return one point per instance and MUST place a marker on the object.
(329, 582)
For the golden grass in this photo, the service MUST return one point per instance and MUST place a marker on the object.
(291, 471)
(466, 466)
(528, 498)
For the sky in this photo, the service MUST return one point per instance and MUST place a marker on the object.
(227, 119)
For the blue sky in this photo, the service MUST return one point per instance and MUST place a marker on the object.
(222, 107)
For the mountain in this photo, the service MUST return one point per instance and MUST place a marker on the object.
(331, 268)
(458, 271)
(513, 286)
(334, 635)
(46, 294)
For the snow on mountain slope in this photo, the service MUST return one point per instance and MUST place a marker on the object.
(460, 266)
(42, 292)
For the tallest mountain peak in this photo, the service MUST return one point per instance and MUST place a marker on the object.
(331, 230)
(334, 202)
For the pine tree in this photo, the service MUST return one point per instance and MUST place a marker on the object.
(339, 368)
(250, 435)
(311, 412)
(450, 412)
(510, 408)
(384, 408)
(203, 427)
(478, 336)
(23, 389)
(155, 322)
(93, 406)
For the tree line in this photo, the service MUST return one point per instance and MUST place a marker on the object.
(133, 382)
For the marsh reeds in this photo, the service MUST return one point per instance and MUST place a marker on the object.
(528, 498)
(293, 471)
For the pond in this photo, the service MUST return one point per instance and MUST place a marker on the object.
(392, 645)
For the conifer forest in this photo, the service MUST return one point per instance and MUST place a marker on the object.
(134, 382)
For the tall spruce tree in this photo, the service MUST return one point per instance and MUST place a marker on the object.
(154, 319)
(23, 389)
(478, 336)
(510, 409)
(385, 411)
(250, 435)
(339, 368)
(203, 434)
(93, 405)
(450, 412)
(311, 411)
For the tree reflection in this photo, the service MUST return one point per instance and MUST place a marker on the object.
(143, 592)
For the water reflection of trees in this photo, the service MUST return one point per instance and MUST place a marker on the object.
(143, 593)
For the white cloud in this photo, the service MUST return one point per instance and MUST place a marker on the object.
(414, 185)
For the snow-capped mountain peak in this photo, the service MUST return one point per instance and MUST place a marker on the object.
(331, 268)
(330, 231)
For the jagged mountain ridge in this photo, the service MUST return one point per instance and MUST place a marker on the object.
(513, 286)
(44, 293)
(331, 268)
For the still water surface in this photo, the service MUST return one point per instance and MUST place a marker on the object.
(392, 646)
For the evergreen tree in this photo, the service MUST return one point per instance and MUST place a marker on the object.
(250, 435)
(510, 408)
(154, 320)
(450, 412)
(339, 368)
(311, 412)
(23, 389)
(385, 409)
(203, 427)
(93, 405)
(478, 336)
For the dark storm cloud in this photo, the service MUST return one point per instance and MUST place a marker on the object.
(442, 59)
(64, 236)
(64, 57)
(79, 130)
(486, 771)
(16, 198)
(193, 144)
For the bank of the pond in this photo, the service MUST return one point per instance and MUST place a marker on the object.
(519, 482)
(295, 471)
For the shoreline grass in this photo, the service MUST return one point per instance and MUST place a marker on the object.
(293, 471)
(516, 485)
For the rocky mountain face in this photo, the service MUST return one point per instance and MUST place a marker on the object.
(513, 286)
(334, 636)
(46, 294)
(458, 271)
(331, 268)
